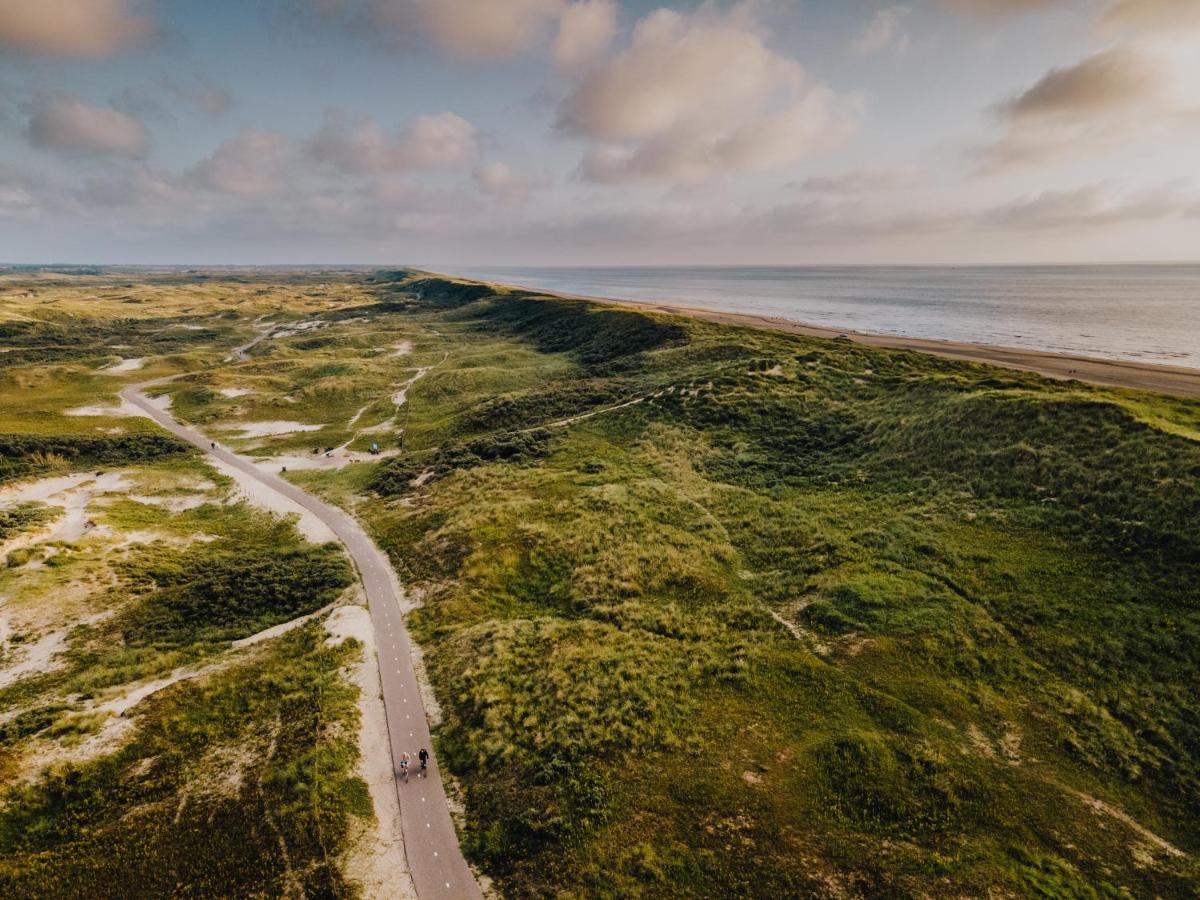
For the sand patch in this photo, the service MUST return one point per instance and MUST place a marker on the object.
(40, 657)
(174, 504)
(401, 396)
(269, 429)
(33, 659)
(281, 629)
(125, 365)
(381, 428)
(321, 462)
(231, 393)
(401, 349)
(254, 492)
(73, 494)
(123, 409)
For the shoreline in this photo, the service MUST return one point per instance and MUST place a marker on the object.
(1178, 381)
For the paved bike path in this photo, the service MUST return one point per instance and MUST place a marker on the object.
(435, 859)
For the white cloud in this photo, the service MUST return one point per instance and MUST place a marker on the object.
(90, 29)
(1154, 14)
(859, 181)
(883, 31)
(429, 142)
(253, 164)
(498, 180)
(694, 95)
(72, 127)
(1117, 96)
(584, 32)
(474, 29)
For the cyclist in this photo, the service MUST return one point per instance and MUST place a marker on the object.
(405, 759)
(423, 756)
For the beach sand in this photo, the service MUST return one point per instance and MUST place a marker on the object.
(1177, 380)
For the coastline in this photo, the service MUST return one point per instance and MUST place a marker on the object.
(1175, 380)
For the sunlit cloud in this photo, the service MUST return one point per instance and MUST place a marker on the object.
(89, 29)
(72, 127)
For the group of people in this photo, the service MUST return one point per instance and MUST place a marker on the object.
(422, 757)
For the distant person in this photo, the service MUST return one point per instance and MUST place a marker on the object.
(405, 759)
(213, 444)
(423, 756)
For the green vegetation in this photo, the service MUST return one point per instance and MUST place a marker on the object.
(23, 517)
(273, 735)
(229, 589)
(25, 455)
(710, 611)
(806, 617)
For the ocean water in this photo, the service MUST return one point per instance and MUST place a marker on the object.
(1142, 313)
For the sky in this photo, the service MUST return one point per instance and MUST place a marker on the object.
(599, 132)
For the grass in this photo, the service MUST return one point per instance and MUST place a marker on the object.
(709, 611)
(139, 822)
(810, 616)
(240, 779)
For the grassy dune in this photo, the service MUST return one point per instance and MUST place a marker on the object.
(808, 617)
(709, 611)
(142, 754)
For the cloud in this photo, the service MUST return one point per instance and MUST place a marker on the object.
(72, 127)
(883, 31)
(1091, 206)
(1107, 81)
(1154, 14)
(473, 29)
(584, 32)
(1112, 97)
(90, 29)
(498, 180)
(860, 181)
(253, 164)
(1140, 15)
(430, 142)
(1000, 8)
(200, 93)
(695, 95)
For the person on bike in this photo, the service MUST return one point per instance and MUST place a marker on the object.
(405, 759)
(423, 756)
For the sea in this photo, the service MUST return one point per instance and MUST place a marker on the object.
(1144, 313)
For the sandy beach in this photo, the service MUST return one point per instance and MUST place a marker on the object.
(1177, 380)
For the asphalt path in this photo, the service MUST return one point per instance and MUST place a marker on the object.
(435, 859)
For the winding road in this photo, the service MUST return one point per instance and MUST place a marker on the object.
(435, 859)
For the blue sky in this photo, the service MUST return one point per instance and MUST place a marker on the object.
(446, 132)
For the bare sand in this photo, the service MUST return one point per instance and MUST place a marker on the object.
(270, 429)
(1177, 380)
(125, 365)
(338, 458)
(258, 494)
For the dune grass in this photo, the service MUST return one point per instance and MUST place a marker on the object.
(807, 617)
(709, 611)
